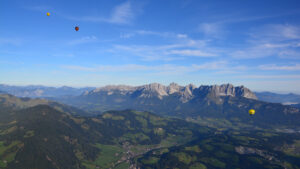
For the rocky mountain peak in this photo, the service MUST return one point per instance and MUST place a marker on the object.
(186, 93)
(191, 86)
(245, 92)
(228, 90)
(153, 89)
(173, 88)
(114, 87)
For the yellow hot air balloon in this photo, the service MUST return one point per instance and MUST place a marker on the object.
(48, 13)
(251, 112)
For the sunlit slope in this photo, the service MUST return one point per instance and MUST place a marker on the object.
(244, 150)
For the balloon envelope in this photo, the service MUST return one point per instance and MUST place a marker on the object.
(251, 111)
(77, 28)
(48, 14)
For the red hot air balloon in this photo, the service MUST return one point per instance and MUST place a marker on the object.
(76, 28)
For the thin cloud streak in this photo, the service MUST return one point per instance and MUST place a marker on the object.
(277, 32)
(83, 40)
(187, 52)
(154, 33)
(165, 68)
(216, 29)
(121, 14)
(184, 47)
(290, 54)
(294, 67)
(275, 40)
(269, 77)
(164, 52)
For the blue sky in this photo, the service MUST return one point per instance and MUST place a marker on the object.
(253, 43)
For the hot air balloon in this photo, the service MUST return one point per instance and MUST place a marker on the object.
(76, 28)
(251, 112)
(48, 13)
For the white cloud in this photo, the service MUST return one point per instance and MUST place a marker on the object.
(146, 53)
(83, 40)
(272, 45)
(182, 36)
(188, 52)
(217, 28)
(122, 13)
(147, 32)
(122, 68)
(127, 35)
(267, 50)
(110, 68)
(164, 68)
(169, 35)
(294, 67)
(180, 48)
(253, 53)
(271, 41)
(288, 31)
(269, 77)
(291, 54)
(216, 65)
(211, 29)
(277, 32)
(221, 67)
(176, 51)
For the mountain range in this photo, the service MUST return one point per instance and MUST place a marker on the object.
(42, 91)
(35, 91)
(226, 102)
(121, 95)
(222, 102)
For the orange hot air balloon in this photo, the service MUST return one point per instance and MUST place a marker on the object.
(48, 14)
(76, 28)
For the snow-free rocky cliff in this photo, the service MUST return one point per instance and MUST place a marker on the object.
(185, 93)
